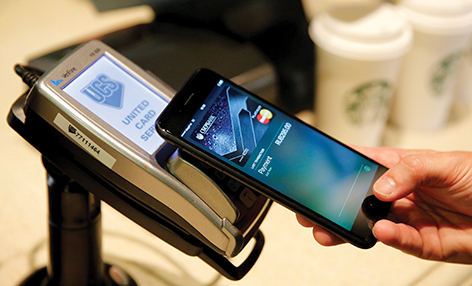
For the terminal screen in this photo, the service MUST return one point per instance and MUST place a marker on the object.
(121, 99)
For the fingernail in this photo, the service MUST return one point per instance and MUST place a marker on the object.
(385, 186)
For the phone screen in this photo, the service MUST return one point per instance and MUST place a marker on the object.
(287, 160)
(121, 99)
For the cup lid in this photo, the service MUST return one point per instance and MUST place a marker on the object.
(363, 32)
(439, 17)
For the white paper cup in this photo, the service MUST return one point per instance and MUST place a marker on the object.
(425, 92)
(463, 88)
(359, 54)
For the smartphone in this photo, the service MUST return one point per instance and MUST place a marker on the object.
(278, 155)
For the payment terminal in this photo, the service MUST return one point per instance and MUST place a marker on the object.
(101, 110)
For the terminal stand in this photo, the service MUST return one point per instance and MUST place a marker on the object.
(75, 250)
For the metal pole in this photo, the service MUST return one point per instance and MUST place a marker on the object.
(74, 231)
(75, 239)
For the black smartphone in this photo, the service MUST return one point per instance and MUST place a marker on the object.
(278, 155)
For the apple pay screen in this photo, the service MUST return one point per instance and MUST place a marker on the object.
(283, 154)
(122, 100)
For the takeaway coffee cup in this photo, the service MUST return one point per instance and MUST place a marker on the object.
(425, 92)
(463, 88)
(359, 54)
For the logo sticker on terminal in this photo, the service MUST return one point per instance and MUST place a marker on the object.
(106, 91)
(56, 82)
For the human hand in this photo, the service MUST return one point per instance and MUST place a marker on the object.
(431, 214)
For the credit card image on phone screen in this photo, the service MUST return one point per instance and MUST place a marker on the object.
(285, 159)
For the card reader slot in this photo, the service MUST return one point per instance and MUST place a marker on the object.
(249, 203)
(203, 186)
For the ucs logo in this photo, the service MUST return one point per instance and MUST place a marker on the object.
(106, 91)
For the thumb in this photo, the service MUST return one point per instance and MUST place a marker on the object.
(410, 173)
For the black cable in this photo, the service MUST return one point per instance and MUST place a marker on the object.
(27, 75)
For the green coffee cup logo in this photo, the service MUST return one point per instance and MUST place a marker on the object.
(368, 103)
(444, 72)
